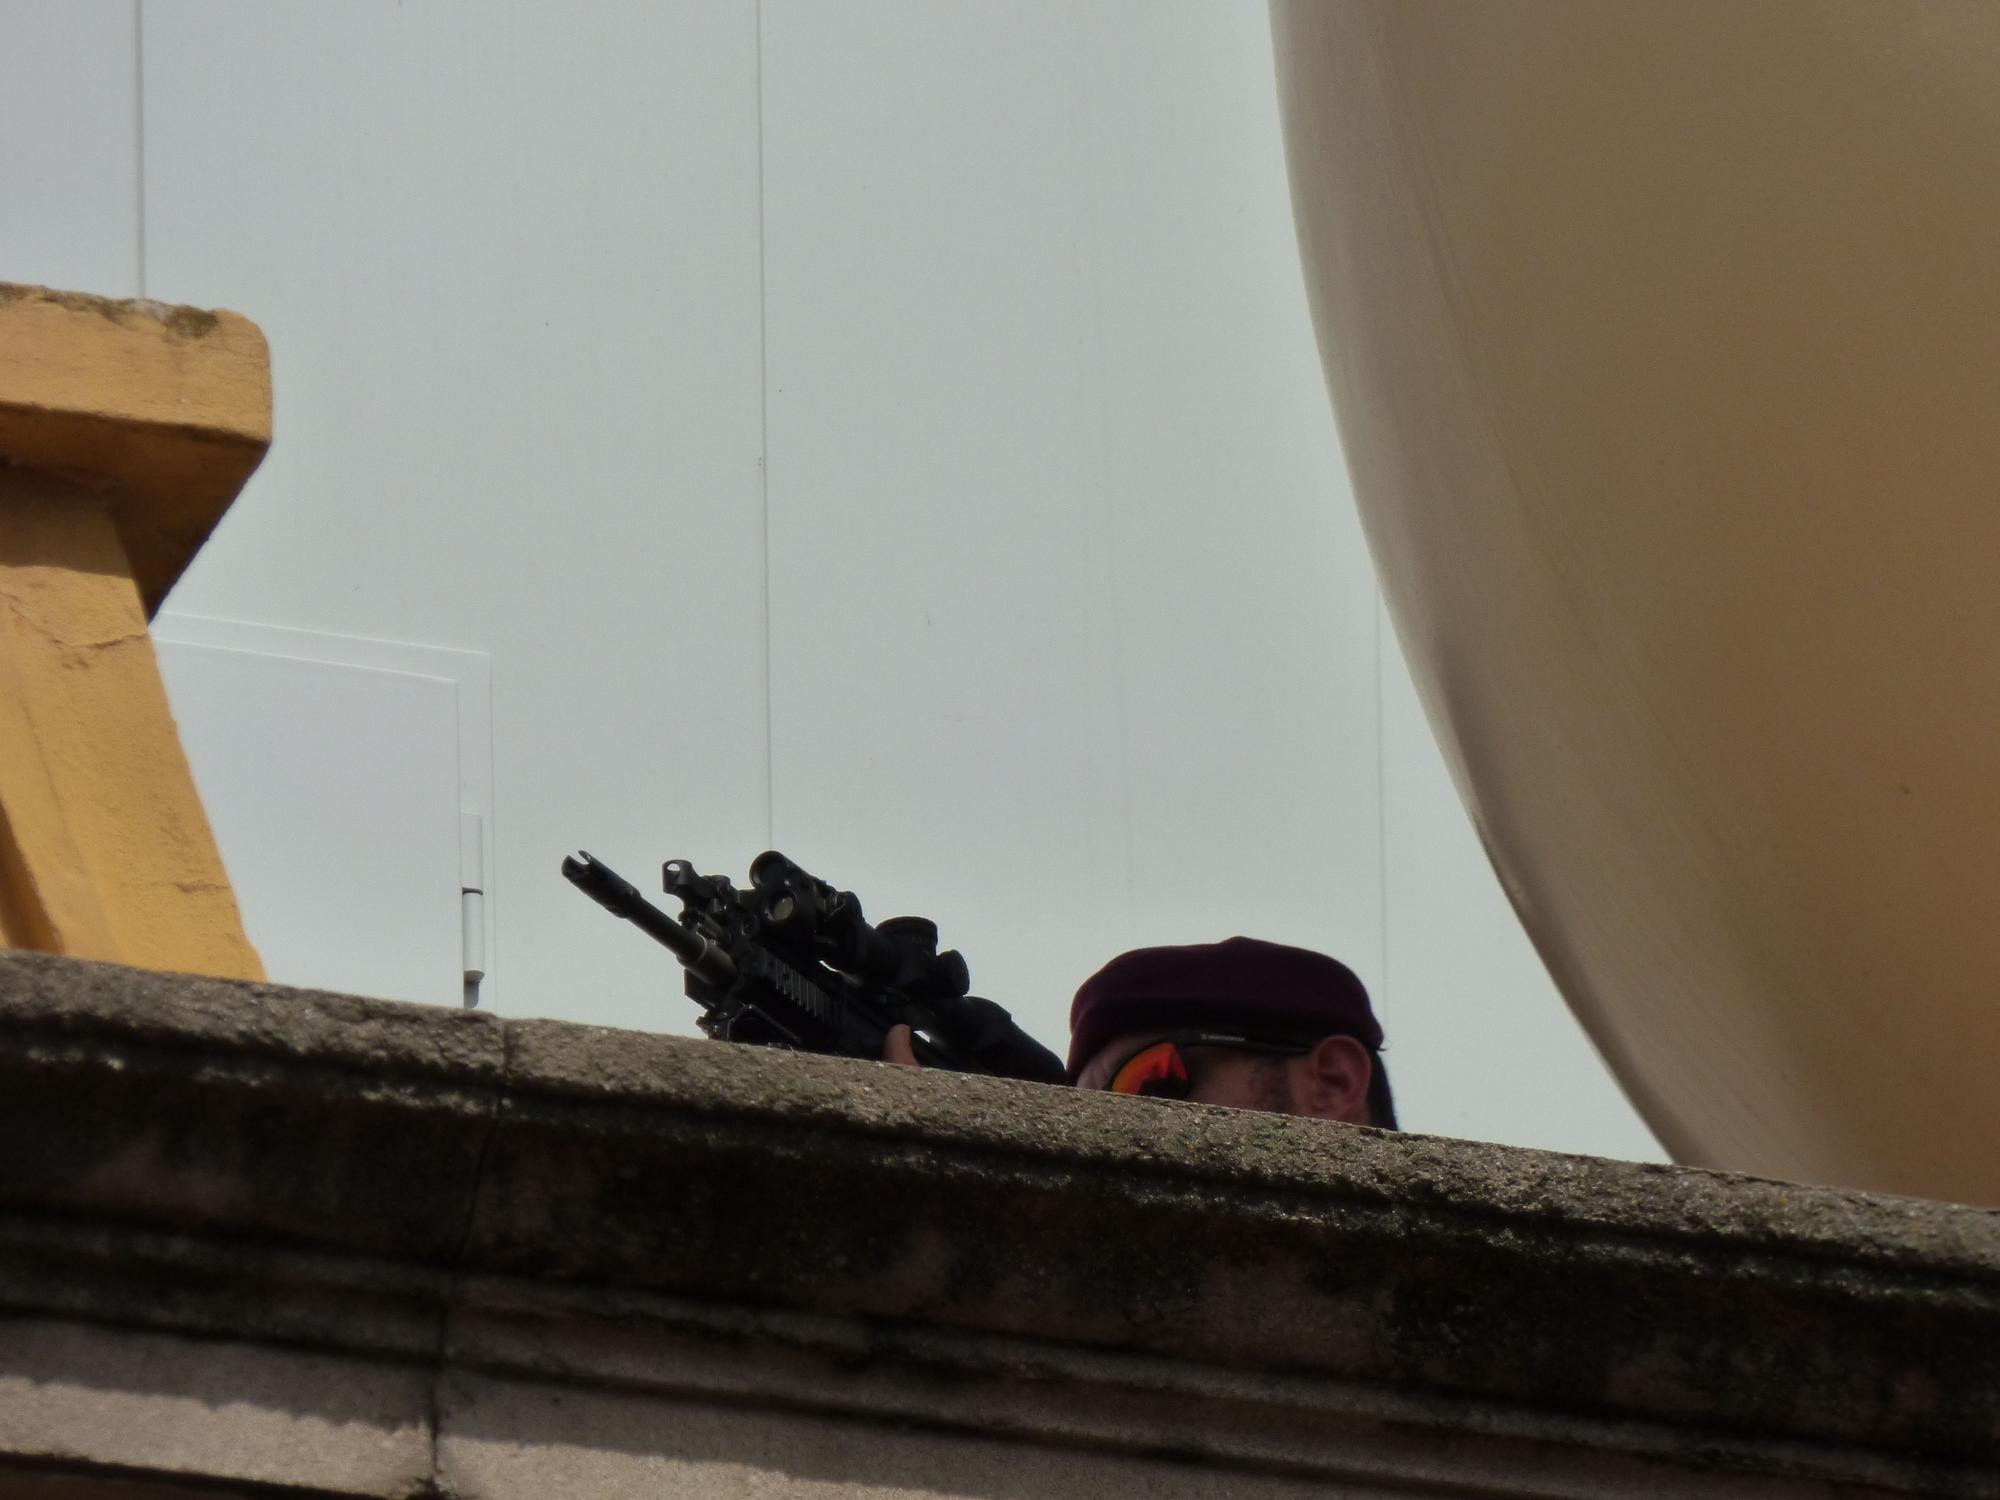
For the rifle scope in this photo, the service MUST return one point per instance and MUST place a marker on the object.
(901, 953)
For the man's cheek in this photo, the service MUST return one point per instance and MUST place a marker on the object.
(1224, 1088)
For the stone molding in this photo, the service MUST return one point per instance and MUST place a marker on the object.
(164, 410)
(436, 1246)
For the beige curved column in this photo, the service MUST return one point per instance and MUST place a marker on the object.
(126, 428)
(1665, 346)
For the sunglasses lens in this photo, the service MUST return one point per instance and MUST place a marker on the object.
(1158, 1070)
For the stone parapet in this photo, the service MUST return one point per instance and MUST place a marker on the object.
(252, 1236)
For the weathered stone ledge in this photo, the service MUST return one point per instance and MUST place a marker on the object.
(496, 1241)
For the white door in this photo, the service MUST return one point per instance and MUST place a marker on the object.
(347, 782)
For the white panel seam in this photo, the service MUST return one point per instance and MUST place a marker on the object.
(764, 439)
(1382, 794)
(139, 142)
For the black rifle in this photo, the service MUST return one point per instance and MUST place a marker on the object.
(791, 962)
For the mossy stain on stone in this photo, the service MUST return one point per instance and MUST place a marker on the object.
(180, 323)
(191, 322)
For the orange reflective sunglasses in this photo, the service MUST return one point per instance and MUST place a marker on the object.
(1159, 1069)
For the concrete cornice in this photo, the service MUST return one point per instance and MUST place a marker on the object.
(471, 1198)
(165, 411)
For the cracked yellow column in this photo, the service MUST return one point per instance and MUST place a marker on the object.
(126, 428)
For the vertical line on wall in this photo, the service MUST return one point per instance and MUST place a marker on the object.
(139, 145)
(1110, 649)
(1382, 794)
(764, 443)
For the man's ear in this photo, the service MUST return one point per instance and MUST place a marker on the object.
(1331, 1081)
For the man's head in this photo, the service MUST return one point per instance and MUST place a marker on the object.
(1243, 1023)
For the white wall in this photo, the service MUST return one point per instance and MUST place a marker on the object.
(891, 431)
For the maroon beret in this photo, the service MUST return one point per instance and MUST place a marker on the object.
(1240, 983)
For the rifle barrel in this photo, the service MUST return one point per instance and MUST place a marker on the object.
(617, 895)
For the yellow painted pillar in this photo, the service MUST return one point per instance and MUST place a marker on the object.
(126, 428)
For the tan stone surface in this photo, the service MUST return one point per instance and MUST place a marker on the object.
(74, 1396)
(1665, 343)
(501, 1440)
(165, 409)
(105, 850)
